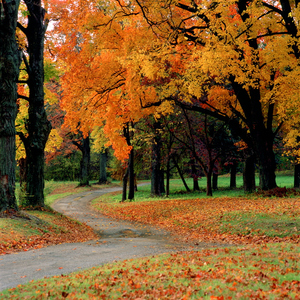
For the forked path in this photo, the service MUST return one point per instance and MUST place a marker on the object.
(118, 240)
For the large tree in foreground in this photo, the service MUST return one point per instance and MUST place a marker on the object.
(9, 71)
(37, 125)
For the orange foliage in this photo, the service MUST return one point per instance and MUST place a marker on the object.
(101, 82)
(120, 56)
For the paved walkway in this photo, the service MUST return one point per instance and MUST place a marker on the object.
(118, 240)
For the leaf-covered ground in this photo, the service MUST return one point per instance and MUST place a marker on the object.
(265, 267)
(44, 228)
(253, 272)
(37, 229)
(230, 220)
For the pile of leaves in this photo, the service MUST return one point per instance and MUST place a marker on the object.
(229, 220)
(252, 272)
(278, 192)
(23, 231)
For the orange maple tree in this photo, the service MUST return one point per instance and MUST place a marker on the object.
(96, 86)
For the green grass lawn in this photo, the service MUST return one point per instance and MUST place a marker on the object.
(177, 190)
(59, 189)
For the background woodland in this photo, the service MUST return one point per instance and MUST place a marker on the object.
(147, 90)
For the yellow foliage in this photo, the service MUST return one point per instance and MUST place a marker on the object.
(50, 97)
(99, 139)
(54, 141)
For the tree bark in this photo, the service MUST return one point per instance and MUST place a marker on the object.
(215, 181)
(266, 162)
(156, 182)
(131, 175)
(22, 166)
(9, 72)
(208, 183)
(195, 177)
(249, 174)
(130, 169)
(103, 164)
(38, 126)
(233, 175)
(297, 176)
(124, 191)
(168, 177)
(85, 149)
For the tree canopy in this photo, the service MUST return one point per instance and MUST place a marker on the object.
(234, 60)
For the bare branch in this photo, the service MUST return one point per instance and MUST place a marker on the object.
(23, 97)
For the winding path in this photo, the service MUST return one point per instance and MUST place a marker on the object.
(118, 240)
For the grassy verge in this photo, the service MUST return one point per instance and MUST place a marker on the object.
(58, 189)
(36, 229)
(230, 216)
(256, 272)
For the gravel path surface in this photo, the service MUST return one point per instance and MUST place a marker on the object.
(118, 240)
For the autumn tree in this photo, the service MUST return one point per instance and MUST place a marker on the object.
(228, 59)
(96, 92)
(9, 72)
(247, 47)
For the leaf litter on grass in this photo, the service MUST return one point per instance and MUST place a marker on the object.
(259, 270)
(21, 235)
(252, 272)
(43, 229)
(230, 220)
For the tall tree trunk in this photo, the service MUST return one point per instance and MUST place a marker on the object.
(103, 164)
(297, 176)
(22, 174)
(156, 188)
(249, 174)
(84, 147)
(162, 182)
(85, 162)
(130, 169)
(260, 127)
(38, 126)
(34, 177)
(267, 165)
(233, 175)
(131, 175)
(195, 177)
(168, 177)
(9, 72)
(215, 181)
(208, 183)
(125, 180)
